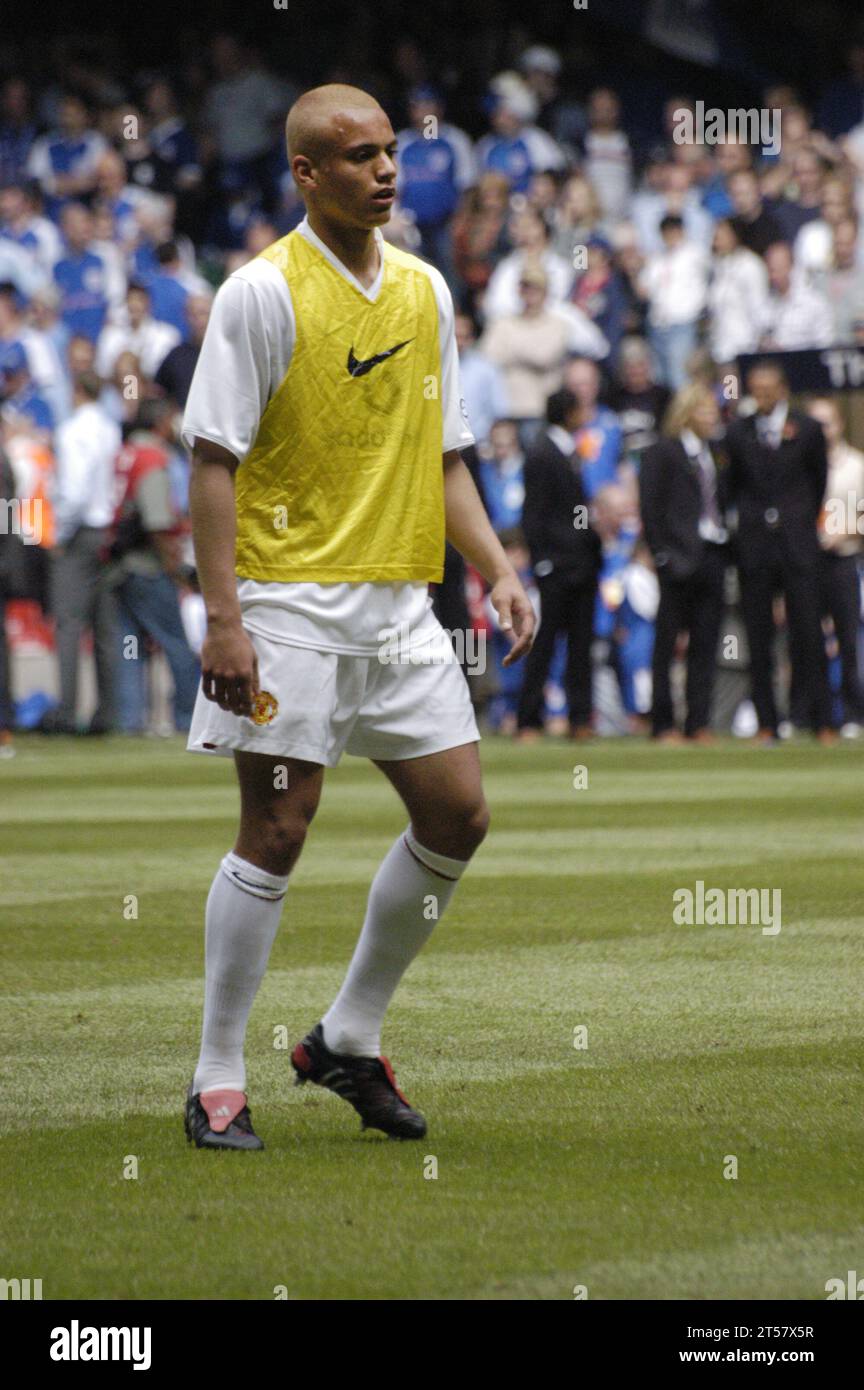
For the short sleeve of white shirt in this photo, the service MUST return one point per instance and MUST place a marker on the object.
(245, 354)
(457, 430)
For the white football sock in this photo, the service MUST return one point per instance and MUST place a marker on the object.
(399, 921)
(243, 910)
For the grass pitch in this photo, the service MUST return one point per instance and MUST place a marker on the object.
(601, 1166)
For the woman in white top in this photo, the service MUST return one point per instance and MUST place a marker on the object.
(737, 294)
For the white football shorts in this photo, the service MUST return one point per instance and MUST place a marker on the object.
(318, 705)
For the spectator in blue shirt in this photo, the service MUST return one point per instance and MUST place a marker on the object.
(21, 223)
(21, 400)
(482, 383)
(503, 475)
(18, 267)
(10, 344)
(609, 516)
(728, 159)
(597, 440)
(171, 286)
(64, 163)
(600, 293)
(167, 295)
(118, 198)
(634, 635)
(21, 346)
(81, 276)
(436, 165)
(516, 148)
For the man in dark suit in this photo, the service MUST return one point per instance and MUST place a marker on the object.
(777, 473)
(565, 556)
(681, 495)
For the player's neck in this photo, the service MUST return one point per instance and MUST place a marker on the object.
(355, 247)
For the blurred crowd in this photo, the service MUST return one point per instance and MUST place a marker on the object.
(657, 502)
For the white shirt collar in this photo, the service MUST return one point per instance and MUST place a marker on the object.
(559, 436)
(692, 443)
(777, 419)
(375, 288)
(771, 427)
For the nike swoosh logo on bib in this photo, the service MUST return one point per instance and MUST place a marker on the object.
(360, 368)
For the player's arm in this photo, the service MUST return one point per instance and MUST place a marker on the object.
(227, 397)
(229, 667)
(470, 531)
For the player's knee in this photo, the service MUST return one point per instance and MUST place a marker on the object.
(475, 825)
(281, 837)
(453, 829)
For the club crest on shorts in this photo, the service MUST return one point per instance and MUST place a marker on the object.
(264, 708)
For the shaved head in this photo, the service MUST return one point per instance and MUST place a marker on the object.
(323, 118)
(342, 153)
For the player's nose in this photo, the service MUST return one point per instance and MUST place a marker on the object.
(385, 169)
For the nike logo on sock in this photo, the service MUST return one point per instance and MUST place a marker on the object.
(257, 889)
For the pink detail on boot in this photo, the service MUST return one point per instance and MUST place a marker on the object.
(222, 1107)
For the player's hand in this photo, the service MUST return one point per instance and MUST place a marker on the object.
(229, 668)
(515, 615)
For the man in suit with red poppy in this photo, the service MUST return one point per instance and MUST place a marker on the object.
(778, 469)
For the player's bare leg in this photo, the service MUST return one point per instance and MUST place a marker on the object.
(278, 798)
(443, 794)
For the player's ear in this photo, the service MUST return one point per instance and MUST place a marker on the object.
(303, 171)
